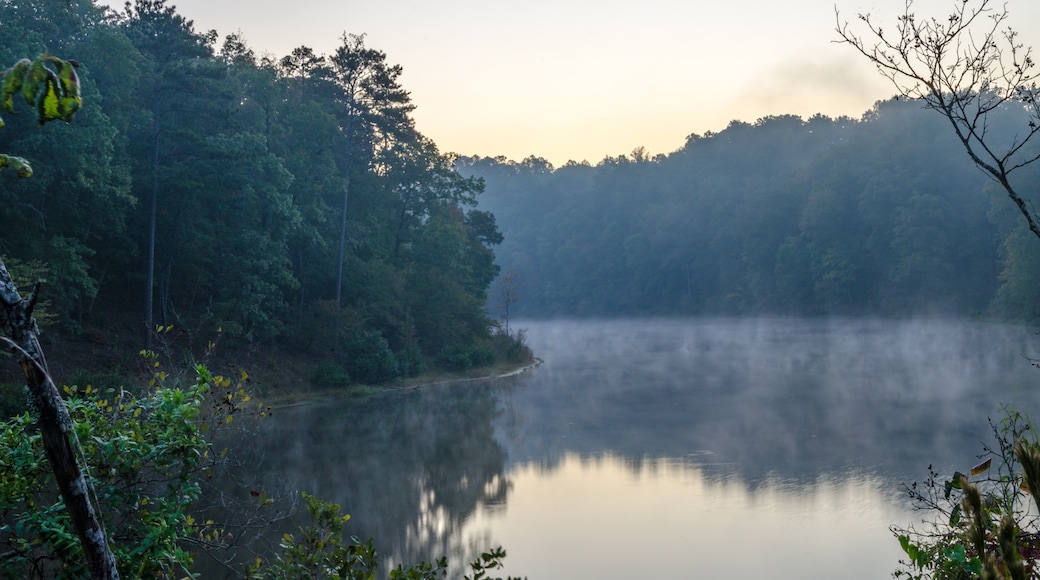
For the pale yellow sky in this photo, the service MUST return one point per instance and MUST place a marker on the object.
(582, 79)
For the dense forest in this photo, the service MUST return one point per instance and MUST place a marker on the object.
(882, 215)
(272, 200)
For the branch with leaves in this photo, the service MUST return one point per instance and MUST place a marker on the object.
(50, 86)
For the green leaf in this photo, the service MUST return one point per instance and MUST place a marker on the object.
(955, 553)
(33, 81)
(13, 79)
(70, 95)
(20, 165)
(48, 101)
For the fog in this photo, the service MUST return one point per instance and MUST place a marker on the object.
(793, 397)
(791, 427)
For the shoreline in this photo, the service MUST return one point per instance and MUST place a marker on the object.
(365, 391)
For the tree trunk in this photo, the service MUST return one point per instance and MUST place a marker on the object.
(149, 322)
(343, 215)
(55, 426)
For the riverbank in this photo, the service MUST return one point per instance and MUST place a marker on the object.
(312, 396)
(276, 375)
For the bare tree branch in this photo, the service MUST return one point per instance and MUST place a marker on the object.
(971, 68)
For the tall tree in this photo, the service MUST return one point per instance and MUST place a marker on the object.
(172, 48)
(374, 114)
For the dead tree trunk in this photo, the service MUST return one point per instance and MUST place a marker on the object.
(55, 426)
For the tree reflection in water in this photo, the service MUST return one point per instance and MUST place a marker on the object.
(409, 467)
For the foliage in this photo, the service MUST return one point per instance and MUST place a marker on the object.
(807, 217)
(146, 456)
(462, 356)
(368, 358)
(48, 84)
(205, 186)
(329, 375)
(983, 522)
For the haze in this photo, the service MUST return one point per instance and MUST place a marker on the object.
(581, 80)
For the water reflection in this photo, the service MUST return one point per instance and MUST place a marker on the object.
(749, 447)
(607, 517)
(409, 467)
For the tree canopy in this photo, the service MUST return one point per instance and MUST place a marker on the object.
(879, 215)
(205, 187)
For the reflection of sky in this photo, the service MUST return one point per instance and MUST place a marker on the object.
(604, 518)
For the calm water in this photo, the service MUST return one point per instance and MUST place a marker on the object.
(678, 449)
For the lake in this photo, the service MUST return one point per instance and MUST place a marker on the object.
(739, 448)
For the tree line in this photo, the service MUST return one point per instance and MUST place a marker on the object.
(269, 198)
(879, 215)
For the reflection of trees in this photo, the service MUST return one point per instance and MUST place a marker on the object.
(409, 467)
(788, 399)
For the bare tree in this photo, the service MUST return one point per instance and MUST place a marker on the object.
(971, 68)
(508, 293)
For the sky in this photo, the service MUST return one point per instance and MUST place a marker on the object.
(583, 79)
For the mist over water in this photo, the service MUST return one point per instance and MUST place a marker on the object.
(667, 448)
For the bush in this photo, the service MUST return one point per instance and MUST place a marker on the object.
(410, 362)
(461, 357)
(983, 522)
(145, 455)
(511, 347)
(368, 358)
(329, 375)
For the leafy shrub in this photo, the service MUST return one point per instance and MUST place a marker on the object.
(329, 375)
(511, 347)
(368, 358)
(983, 522)
(146, 456)
(461, 357)
(410, 362)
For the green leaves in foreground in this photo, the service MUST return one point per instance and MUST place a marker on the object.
(48, 84)
(20, 165)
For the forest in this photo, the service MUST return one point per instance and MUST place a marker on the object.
(212, 198)
(883, 215)
(268, 200)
